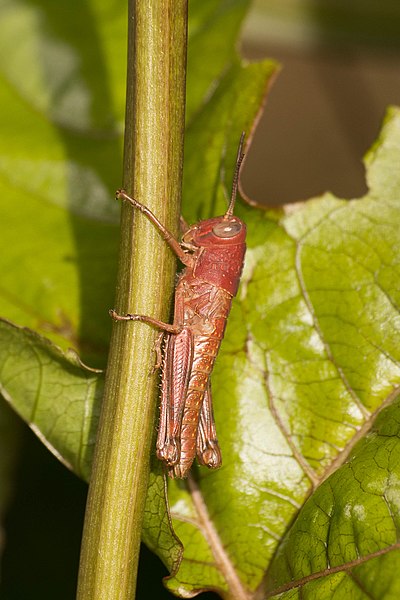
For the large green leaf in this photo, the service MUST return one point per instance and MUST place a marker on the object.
(61, 152)
(360, 22)
(310, 357)
(53, 392)
(345, 541)
(59, 165)
(309, 360)
(62, 99)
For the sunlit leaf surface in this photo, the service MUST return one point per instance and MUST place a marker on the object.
(309, 363)
(311, 356)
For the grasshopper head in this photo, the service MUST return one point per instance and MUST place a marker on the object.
(218, 231)
(227, 230)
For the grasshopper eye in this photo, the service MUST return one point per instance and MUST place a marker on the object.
(227, 229)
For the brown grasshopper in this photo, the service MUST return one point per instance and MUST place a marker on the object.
(213, 253)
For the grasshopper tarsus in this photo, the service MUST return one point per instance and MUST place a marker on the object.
(115, 316)
(170, 452)
(122, 195)
(210, 455)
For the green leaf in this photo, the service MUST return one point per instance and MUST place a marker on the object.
(297, 384)
(53, 392)
(345, 538)
(59, 166)
(60, 399)
(216, 130)
(158, 533)
(310, 357)
(60, 157)
(210, 54)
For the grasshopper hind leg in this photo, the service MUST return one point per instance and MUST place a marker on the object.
(208, 450)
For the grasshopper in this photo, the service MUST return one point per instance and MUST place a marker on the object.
(212, 252)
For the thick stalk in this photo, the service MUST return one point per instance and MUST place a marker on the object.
(157, 34)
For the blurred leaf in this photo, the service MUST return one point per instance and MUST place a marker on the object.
(59, 169)
(53, 392)
(212, 137)
(62, 121)
(61, 153)
(60, 157)
(210, 54)
(366, 22)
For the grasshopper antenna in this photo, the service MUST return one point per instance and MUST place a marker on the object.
(235, 183)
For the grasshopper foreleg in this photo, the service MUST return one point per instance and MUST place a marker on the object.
(167, 235)
(145, 319)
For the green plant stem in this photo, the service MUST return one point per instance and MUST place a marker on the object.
(157, 36)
